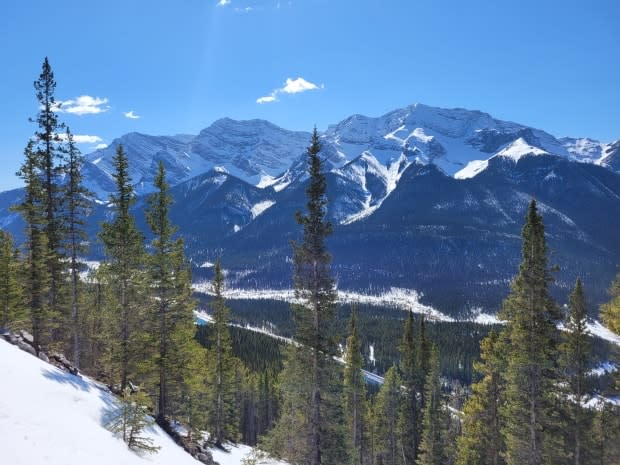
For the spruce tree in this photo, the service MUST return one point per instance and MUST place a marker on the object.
(314, 316)
(610, 312)
(170, 284)
(433, 445)
(410, 414)
(576, 353)
(223, 409)
(13, 314)
(354, 393)
(481, 442)
(35, 273)
(386, 409)
(124, 270)
(76, 207)
(531, 371)
(48, 152)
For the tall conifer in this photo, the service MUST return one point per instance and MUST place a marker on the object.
(531, 368)
(410, 417)
(76, 207)
(170, 284)
(432, 447)
(124, 269)
(576, 353)
(354, 393)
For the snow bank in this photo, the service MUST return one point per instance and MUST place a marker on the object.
(52, 417)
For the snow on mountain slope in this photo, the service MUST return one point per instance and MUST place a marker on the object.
(52, 417)
(255, 151)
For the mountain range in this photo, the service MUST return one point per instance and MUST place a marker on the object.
(422, 198)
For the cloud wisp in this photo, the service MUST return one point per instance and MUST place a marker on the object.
(291, 86)
(223, 2)
(131, 115)
(82, 138)
(83, 105)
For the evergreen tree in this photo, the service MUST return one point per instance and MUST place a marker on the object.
(576, 352)
(386, 409)
(531, 370)
(170, 282)
(48, 152)
(433, 446)
(223, 408)
(354, 393)
(610, 312)
(130, 421)
(123, 270)
(410, 414)
(314, 316)
(12, 311)
(481, 442)
(77, 206)
(36, 276)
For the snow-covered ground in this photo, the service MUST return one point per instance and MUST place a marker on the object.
(48, 416)
(406, 299)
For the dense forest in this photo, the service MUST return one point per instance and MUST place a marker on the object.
(453, 393)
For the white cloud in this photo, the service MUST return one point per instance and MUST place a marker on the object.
(266, 99)
(295, 86)
(83, 105)
(82, 138)
(131, 115)
(291, 86)
(101, 146)
(247, 9)
(223, 2)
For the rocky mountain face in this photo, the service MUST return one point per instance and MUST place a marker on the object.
(424, 198)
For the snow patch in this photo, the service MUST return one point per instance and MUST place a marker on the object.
(472, 168)
(260, 207)
(519, 149)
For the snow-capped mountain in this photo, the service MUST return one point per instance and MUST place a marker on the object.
(255, 151)
(424, 198)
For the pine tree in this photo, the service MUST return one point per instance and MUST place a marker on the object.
(409, 418)
(170, 282)
(223, 411)
(77, 206)
(314, 317)
(576, 353)
(130, 421)
(123, 270)
(610, 312)
(36, 275)
(13, 314)
(433, 446)
(531, 370)
(386, 409)
(481, 442)
(354, 393)
(49, 156)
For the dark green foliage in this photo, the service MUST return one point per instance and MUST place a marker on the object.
(311, 414)
(130, 421)
(35, 272)
(13, 314)
(76, 201)
(123, 271)
(221, 371)
(575, 353)
(481, 442)
(410, 415)
(354, 401)
(173, 305)
(434, 432)
(386, 409)
(531, 368)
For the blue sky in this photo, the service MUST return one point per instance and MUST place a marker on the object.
(176, 66)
